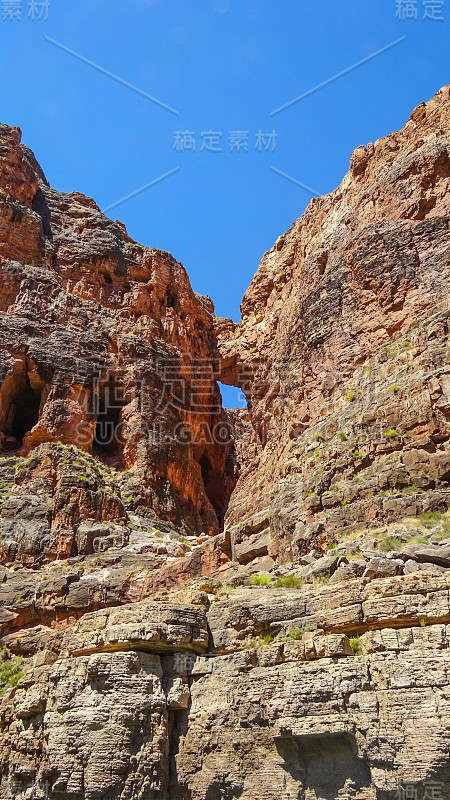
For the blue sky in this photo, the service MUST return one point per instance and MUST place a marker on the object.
(224, 65)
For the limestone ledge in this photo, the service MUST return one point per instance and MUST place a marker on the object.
(351, 607)
(292, 624)
(154, 627)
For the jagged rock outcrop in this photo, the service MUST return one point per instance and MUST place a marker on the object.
(342, 350)
(105, 346)
(302, 652)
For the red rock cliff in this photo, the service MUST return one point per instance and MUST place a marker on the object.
(104, 345)
(343, 338)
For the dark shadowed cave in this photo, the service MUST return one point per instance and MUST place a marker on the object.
(20, 400)
(108, 440)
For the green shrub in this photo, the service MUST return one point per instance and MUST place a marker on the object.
(409, 490)
(350, 397)
(188, 544)
(422, 622)
(297, 633)
(227, 587)
(390, 432)
(321, 580)
(289, 582)
(444, 533)
(260, 579)
(355, 645)
(343, 436)
(357, 453)
(10, 669)
(345, 501)
(390, 543)
(430, 518)
(251, 644)
(395, 388)
(417, 539)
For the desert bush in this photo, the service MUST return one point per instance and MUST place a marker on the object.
(260, 579)
(355, 645)
(289, 582)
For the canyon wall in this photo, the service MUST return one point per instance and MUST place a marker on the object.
(342, 346)
(105, 346)
(202, 604)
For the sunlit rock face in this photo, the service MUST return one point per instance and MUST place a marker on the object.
(200, 604)
(342, 347)
(105, 346)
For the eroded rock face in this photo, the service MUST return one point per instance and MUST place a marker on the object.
(342, 348)
(302, 652)
(146, 714)
(106, 346)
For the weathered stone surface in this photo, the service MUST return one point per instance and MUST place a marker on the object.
(433, 554)
(352, 606)
(311, 716)
(342, 349)
(99, 727)
(104, 345)
(149, 626)
(382, 567)
(157, 664)
(321, 567)
(321, 728)
(256, 545)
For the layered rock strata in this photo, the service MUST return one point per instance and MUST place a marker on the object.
(342, 349)
(303, 651)
(127, 705)
(105, 346)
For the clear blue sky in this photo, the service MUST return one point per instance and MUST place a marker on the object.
(224, 65)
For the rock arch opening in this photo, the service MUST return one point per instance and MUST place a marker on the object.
(20, 403)
(232, 396)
